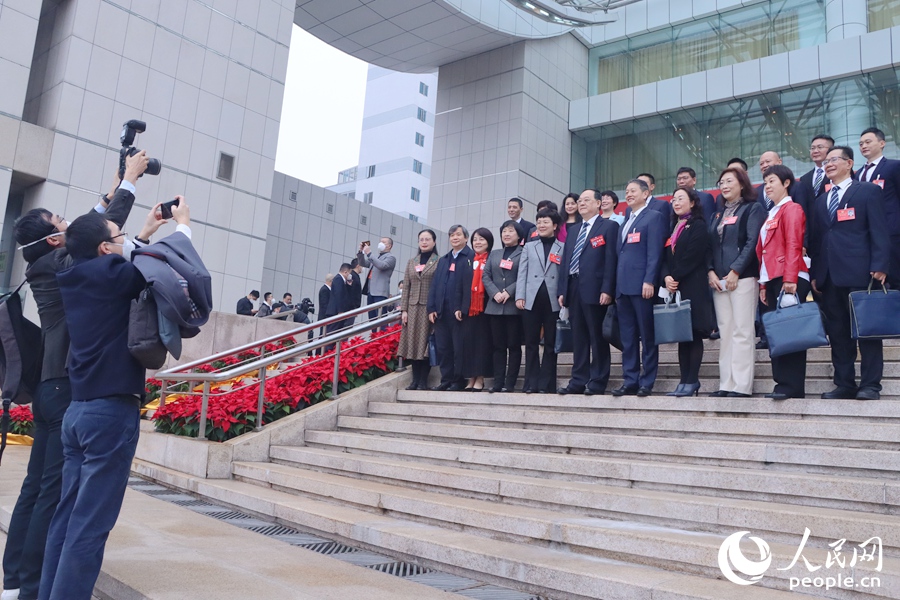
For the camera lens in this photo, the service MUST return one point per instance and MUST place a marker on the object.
(153, 166)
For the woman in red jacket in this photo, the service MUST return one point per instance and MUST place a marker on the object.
(783, 270)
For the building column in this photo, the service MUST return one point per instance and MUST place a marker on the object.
(845, 19)
(848, 110)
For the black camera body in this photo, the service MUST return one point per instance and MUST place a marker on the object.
(306, 306)
(129, 130)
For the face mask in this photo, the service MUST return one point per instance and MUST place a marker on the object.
(127, 248)
(54, 234)
(381, 246)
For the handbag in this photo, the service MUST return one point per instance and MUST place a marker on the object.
(672, 321)
(563, 336)
(874, 315)
(610, 329)
(795, 328)
(432, 351)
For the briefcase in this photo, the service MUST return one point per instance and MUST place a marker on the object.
(672, 321)
(794, 329)
(563, 336)
(610, 330)
(875, 314)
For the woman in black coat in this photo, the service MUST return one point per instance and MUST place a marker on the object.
(684, 270)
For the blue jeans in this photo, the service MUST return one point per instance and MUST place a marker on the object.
(99, 440)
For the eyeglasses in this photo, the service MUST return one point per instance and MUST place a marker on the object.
(833, 160)
(819, 147)
(110, 240)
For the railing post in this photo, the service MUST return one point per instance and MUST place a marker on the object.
(163, 392)
(337, 371)
(204, 405)
(400, 365)
(262, 394)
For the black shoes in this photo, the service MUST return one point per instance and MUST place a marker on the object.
(719, 394)
(840, 394)
(626, 391)
(456, 387)
(643, 391)
(685, 389)
(867, 394)
(762, 345)
(778, 396)
(714, 335)
(569, 389)
(443, 387)
(594, 392)
(737, 395)
(529, 391)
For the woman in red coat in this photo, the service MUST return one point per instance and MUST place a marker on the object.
(783, 270)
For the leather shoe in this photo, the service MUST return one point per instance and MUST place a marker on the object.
(528, 391)
(719, 394)
(777, 396)
(413, 386)
(714, 335)
(737, 395)
(840, 394)
(867, 394)
(443, 387)
(594, 392)
(644, 391)
(569, 390)
(456, 387)
(762, 345)
(625, 391)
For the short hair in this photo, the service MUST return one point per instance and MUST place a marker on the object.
(254, 293)
(486, 234)
(640, 183)
(517, 201)
(286, 294)
(510, 223)
(29, 228)
(783, 174)
(748, 192)
(827, 138)
(648, 176)
(328, 277)
(85, 235)
(597, 194)
(694, 197)
(390, 241)
(400, 283)
(612, 195)
(345, 267)
(267, 295)
(549, 214)
(354, 263)
(429, 232)
(737, 160)
(846, 151)
(547, 204)
(454, 228)
(878, 133)
(687, 170)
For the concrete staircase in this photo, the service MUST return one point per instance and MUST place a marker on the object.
(574, 497)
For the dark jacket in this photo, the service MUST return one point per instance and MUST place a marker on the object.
(639, 261)
(355, 291)
(808, 178)
(497, 279)
(245, 307)
(888, 172)
(708, 204)
(447, 287)
(597, 264)
(341, 299)
(324, 299)
(736, 251)
(661, 206)
(688, 263)
(97, 295)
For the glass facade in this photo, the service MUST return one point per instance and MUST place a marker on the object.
(883, 14)
(718, 41)
(704, 138)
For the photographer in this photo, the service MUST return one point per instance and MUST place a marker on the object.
(107, 384)
(381, 267)
(42, 236)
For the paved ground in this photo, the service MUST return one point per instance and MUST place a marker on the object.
(159, 551)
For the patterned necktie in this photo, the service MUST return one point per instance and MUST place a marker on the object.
(820, 175)
(579, 246)
(833, 203)
(628, 226)
(865, 172)
(769, 203)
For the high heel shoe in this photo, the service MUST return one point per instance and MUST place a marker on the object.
(678, 390)
(688, 389)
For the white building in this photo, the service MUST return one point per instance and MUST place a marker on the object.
(395, 148)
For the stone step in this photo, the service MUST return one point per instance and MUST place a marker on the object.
(814, 386)
(825, 458)
(663, 547)
(781, 431)
(554, 573)
(710, 369)
(491, 464)
(668, 353)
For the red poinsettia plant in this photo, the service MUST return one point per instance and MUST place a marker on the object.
(21, 420)
(232, 413)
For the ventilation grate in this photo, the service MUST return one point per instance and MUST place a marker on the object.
(329, 548)
(400, 569)
(225, 172)
(363, 219)
(329, 208)
(393, 230)
(293, 196)
(272, 530)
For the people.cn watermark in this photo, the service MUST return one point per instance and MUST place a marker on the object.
(828, 574)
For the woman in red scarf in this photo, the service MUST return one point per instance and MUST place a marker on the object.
(684, 270)
(476, 328)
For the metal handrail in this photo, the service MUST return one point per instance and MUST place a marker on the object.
(182, 373)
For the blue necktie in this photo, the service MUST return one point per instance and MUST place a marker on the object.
(833, 203)
(820, 175)
(579, 246)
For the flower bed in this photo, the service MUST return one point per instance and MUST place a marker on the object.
(21, 420)
(234, 413)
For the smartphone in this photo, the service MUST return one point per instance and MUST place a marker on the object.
(366, 243)
(166, 208)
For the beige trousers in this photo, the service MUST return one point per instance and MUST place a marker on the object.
(736, 312)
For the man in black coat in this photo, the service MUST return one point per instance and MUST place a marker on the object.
(687, 178)
(245, 304)
(885, 173)
(849, 245)
(341, 298)
(815, 179)
(587, 286)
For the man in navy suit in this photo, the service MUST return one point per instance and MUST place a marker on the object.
(340, 300)
(849, 245)
(800, 192)
(656, 204)
(885, 173)
(640, 248)
(815, 178)
(687, 178)
(587, 287)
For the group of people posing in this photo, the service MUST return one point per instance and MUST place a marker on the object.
(736, 256)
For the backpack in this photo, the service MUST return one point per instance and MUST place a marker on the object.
(144, 341)
(20, 358)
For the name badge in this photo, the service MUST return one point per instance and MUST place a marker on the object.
(555, 258)
(420, 268)
(879, 182)
(452, 267)
(598, 241)
(772, 224)
(534, 233)
(634, 238)
(730, 220)
(827, 187)
(506, 264)
(846, 214)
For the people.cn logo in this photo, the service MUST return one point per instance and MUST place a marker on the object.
(731, 559)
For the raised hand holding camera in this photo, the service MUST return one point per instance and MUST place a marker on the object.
(129, 130)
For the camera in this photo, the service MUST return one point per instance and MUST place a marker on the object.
(165, 208)
(129, 130)
(306, 306)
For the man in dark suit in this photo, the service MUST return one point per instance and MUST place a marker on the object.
(849, 245)
(324, 299)
(800, 192)
(341, 299)
(885, 173)
(687, 178)
(660, 206)
(815, 178)
(445, 302)
(514, 210)
(586, 287)
(245, 304)
(640, 249)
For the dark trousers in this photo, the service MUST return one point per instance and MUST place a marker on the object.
(540, 376)
(448, 339)
(636, 327)
(24, 554)
(590, 357)
(788, 370)
(373, 314)
(99, 439)
(506, 332)
(690, 357)
(835, 302)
